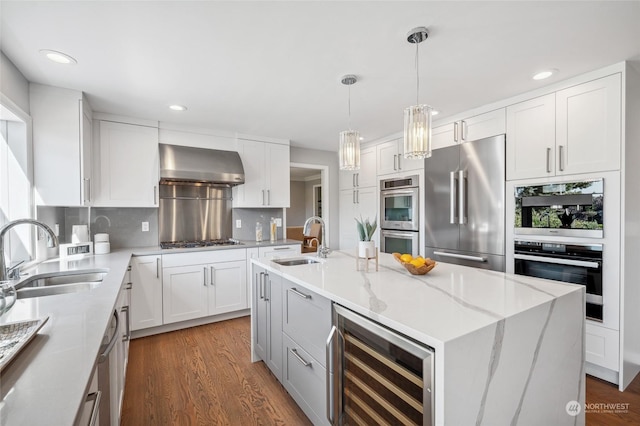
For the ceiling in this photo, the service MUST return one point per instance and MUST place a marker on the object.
(274, 68)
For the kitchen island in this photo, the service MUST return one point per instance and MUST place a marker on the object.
(508, 349)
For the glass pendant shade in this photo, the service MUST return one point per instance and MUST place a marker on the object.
(417, 131)
(349, 152)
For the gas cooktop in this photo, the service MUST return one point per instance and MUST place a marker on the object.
(201, 243)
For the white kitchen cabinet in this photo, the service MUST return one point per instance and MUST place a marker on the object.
(62, 146)
(146, 292)
(602, 346)
(588, 126)
(531, 138)
(391, 159)
(355, 203)
(267, 319)
(479, 126)
(366, 176)
(575, 130)
(128, 165)
(201, 284)
(266, 171)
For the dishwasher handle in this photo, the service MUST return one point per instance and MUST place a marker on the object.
(105, 355)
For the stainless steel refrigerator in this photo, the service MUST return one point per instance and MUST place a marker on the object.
(464, 204)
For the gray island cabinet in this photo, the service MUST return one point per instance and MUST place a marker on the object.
(507, 349)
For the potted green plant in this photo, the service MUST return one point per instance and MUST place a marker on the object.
(366, 229)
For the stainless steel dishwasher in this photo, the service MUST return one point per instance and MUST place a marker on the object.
(104, 369)
(376, 375)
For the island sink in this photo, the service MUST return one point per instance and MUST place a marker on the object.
(293, 262)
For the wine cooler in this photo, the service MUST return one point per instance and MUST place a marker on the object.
(375, 375)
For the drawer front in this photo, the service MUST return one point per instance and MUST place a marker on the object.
(602, 347)
(306, 318)
(305, 380)
(201, 257)
(280, 251)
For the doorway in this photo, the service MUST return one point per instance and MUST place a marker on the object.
(309, 183)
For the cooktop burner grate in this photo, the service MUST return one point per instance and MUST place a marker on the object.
(202, 243)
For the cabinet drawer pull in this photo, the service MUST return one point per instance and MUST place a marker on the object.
(280, 248)
(155, 195)
(302, 360)
(463, 133)
(157, 267)
(455, 131)
(395, 159)
(261, 285)
(268, 197)
(548, 160)
(128, 286)
(127, 334)
(561, 157)
(299, 294)
(105, 355)
(399, 161)
(212, 278)
(353, 180)
(204, 276)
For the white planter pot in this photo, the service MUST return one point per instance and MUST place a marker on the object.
(366, 249)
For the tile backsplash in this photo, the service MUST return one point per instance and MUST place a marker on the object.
(124, 225)
(249, 217)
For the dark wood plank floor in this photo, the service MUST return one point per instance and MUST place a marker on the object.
(204, 376)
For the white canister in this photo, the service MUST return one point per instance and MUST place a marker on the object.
(102, 247)
(101, 238)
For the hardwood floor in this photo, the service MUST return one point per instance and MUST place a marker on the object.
(204, 376)
(627, 403)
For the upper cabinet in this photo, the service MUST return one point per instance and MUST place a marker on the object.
(128, 165)
(391, 158)
(575, 130)
(366, 176)
(480, 126)
(266, 175)
(61, 146)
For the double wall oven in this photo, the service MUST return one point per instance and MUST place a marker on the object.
(547, 218)
(399, 215)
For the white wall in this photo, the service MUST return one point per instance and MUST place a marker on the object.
(329, 159)
(13, 85)
(296, 214)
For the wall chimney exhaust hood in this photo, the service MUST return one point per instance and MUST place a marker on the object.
(189, 164)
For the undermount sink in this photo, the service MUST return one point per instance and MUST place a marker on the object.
(38, 286)
(293, 262)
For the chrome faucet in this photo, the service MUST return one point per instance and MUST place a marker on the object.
(52, 241)
(323, 250)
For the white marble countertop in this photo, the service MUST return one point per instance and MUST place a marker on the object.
(448, 302)
(47, 381)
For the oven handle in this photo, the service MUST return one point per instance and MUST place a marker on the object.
(461, 256)
(410, 234)
(557, 261)
(594, 299)
(393, 192)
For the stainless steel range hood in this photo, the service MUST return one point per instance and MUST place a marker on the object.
(188, 164)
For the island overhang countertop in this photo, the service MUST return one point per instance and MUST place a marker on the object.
(445, 304)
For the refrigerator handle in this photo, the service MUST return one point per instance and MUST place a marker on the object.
(462, 195)
(453, 218)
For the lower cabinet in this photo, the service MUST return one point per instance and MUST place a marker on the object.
(146, 292)
(197, 291)
(267, 319)
(305, 379)
(290, 327)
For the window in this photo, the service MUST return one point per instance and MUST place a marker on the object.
(15, 185)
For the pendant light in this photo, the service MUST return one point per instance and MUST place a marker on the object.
(349, 152)
(417, 118)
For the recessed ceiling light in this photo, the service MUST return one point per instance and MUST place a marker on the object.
(435, 112)
(361, 138)
(178, 107)
(58, 57)
(544, 74)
